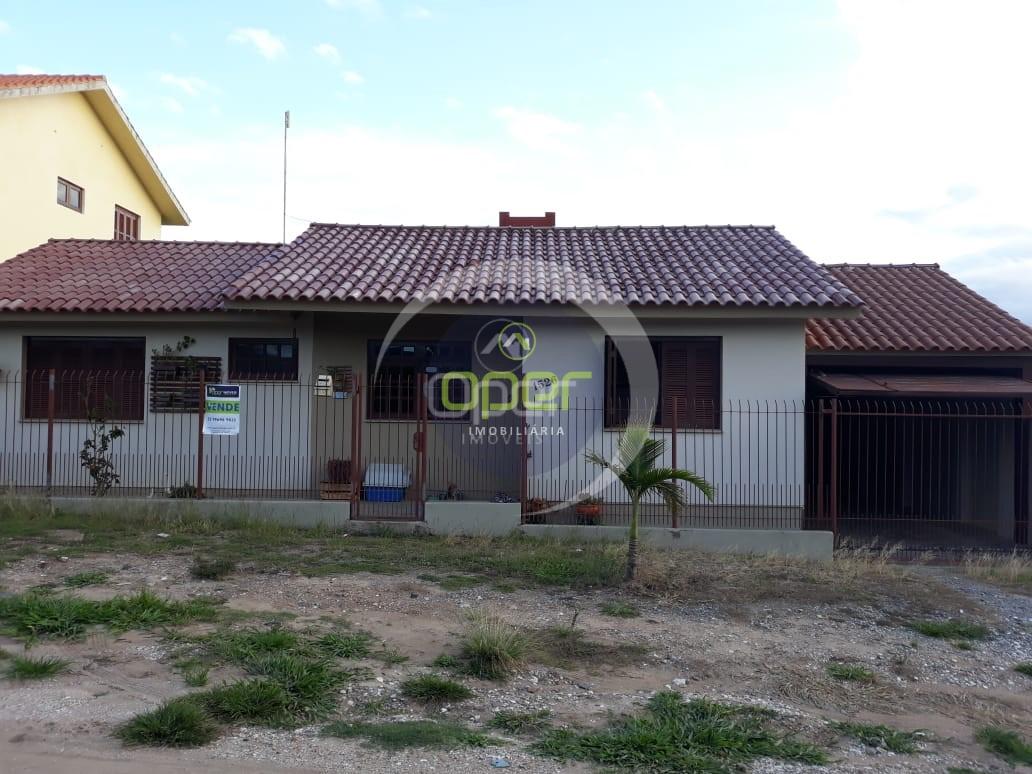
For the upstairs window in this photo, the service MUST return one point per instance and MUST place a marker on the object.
(269, 360)
(689, 380)
(104, 376)
(127, 225)
(394, 386)
(69, 195)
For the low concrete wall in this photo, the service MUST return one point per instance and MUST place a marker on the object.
(450, 517)
(295, 513)
(802, 544)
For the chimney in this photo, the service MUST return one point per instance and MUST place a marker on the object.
(506, 220)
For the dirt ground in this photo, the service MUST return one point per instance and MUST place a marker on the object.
(772, 653)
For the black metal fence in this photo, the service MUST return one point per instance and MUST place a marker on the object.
(923, 473)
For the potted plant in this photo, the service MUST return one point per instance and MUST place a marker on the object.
(533, 510)
(337, 485)
(589, 509)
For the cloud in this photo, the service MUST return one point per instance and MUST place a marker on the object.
(452, 102)
(328, 51)
(4, 27)
(267, 44)
(653, 100)
(190, 85)
(24, 69)
(417, 13)
(172, 105)
(536, 130)
(350, 76)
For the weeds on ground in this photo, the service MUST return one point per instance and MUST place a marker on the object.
(433, 689)
(350, 645)
(89, 578)
(953, 629)
(46, 615)
(619, 609)
(521, 722)
(242, 645)
(176, 723)
(568, 647)
(1024, 668)
(881, 737)
(675, 735)
(1011, 570)
(853, 673)
(377, 706)
(391, 656)
(1005, 744)
(493, 649)
(410, 733)
(311, 685)
(449, 662)
(29, 668)
(195, 674)
(259, 701)
(212, 568)
(459, 582)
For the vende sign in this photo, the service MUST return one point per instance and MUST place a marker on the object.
(222, 409)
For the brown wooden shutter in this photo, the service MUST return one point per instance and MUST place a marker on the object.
(675, 382)
(690, 378)
(707, 385)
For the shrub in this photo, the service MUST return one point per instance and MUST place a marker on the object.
(1005, 744)
(433, 689)
(492, 648)
(176, 723)
(28, 668)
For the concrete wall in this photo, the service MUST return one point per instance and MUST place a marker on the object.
(59, 135)
(272, 450)
(801, 544)
(472, 518)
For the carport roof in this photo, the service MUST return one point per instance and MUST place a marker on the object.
(925, 385)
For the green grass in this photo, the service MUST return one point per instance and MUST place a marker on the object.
(195, 674)
(48, 615)
(952, 629)
(212, 568)
(619, 609)
(1024, 668)
(851, 673)
(176, 723)
(493, 649)
(410, 733)
(312, 686)
(29, 668)
(1007, 745)
(391, 656)
(242, 645)
(434, 689)
(881, 737)
(350, 645)
(459, 582)
(449, 662)
(673, 735)
(90, 578)
(521, 722)
(260, 701)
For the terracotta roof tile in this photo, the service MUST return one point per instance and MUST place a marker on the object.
(916, 308)
(41, 81)
(87, 275)
(702, 265)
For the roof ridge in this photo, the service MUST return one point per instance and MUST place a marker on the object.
(66, 240)
(330, 224)
(912, 265)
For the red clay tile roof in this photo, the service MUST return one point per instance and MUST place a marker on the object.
(86, 275)
(41, 81)
(691, 266)
(916, 308)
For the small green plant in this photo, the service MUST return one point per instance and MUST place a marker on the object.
(1005, 744)
(881, 737)
(568, 647)
(619, 609)
(176, 723)
(492, 648)
(95, 454)
(521, 722)
(433, 689)
(458, 582)
(962, 644)
(29, 668)
(373, 707)
(211, 568)
(449, 662)
(1024, 668)
(675, 735)
(242, 645)
(89, 578)
(261, 701)
(185, 491)
(410, 733)
(351, 645)
(311, 685)
(852, 673)
(195, 674)
(391, 656)
(952, 629)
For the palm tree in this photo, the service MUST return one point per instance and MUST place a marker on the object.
(635, 466)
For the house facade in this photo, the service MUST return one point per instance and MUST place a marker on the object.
(74, 167)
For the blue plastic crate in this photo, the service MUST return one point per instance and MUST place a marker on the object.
(383, 494)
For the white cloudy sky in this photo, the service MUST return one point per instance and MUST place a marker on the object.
(866, 130)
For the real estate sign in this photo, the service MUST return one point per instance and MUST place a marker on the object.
(222, 409)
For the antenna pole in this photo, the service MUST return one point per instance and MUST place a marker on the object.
(286, 126)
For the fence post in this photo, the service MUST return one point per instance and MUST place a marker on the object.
(421, 434)
(524, 467)
(51, 379)
(818, 411)
(833, 493)
(201, 406)
(673, 454)
(356, 445)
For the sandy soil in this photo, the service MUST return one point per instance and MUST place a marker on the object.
(772, 654)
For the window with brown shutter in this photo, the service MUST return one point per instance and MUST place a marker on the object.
(127, 225)
(175, 383)
(689, 383)
(92, 374)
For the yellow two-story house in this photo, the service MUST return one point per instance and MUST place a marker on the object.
(72, 166)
